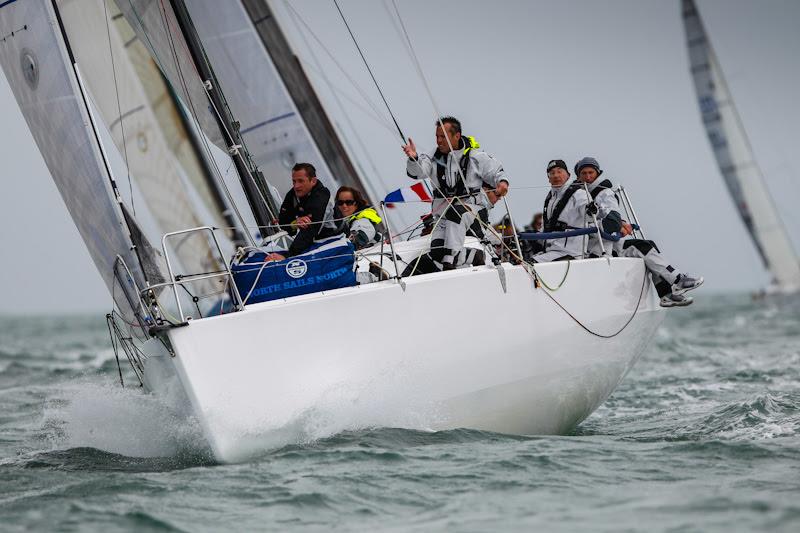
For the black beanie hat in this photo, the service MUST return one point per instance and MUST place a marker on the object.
(557, 163)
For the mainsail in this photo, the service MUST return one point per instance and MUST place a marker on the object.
(41, 71)
(283, 120)
(735, 157)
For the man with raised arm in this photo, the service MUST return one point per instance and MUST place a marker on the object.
(458, 171)
(564, 210)
(306, 212)
(669, 282)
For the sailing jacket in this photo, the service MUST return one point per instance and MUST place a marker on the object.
(445, 170)
(362, 228)
(572, 216)
(318, 206)
(608, 215)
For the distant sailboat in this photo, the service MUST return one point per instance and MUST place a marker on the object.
(735, 158)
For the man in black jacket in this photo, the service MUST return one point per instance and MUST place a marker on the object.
(306, 212)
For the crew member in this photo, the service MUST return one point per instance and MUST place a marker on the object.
(360, 222)
(564, 209)
(669, 282)
(306, 212)
(458, 170)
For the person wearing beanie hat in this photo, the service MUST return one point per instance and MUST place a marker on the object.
(564, 209)
(670, 284)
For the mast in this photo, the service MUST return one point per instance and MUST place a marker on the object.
(299, 87)
(734, 155)
(255, 188)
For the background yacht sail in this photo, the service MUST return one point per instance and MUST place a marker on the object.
(283, 120)
(40, 70)
(735, 157)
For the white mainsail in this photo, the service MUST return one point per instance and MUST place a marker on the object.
(40, 70)
(283, 121)
(735, 158)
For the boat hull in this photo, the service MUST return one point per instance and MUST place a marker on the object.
(456, 349)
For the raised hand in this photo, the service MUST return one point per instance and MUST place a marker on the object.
(410, 149)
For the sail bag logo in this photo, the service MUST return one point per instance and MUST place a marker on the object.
(296, 268)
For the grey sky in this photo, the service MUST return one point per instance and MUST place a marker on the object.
(532, 81)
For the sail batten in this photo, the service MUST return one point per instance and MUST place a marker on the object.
(735, 158)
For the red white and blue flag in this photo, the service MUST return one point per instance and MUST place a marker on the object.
(419, 192)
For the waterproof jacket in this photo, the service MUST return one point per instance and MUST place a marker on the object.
(608, 215)
(573, 216)
(362, 228)
(444, 171)
(316, 204)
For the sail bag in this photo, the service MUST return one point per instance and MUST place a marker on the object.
(329, 264)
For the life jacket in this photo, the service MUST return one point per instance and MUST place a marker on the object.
(459, 189)
(605, 184)
(368, 213)
(552, 223)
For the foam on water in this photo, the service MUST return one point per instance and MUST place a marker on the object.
(118, 420)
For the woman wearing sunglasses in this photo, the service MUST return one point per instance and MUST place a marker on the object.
(360, 222)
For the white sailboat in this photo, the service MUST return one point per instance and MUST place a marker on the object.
(735, 158)
(250, 372)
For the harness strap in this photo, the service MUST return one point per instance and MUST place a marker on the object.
(551, 223)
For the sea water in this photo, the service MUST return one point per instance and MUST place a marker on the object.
(702, 435)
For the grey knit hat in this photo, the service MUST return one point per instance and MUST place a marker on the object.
(587, 162)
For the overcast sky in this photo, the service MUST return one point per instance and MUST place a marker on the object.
(532, 81)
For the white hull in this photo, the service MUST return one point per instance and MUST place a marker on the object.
(453, 350)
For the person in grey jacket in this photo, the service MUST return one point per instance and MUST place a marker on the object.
(670, 283)
(564, 209)
(458, 171)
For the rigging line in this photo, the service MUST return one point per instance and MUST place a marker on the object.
(200, 134)
(203, 142)
(246, 162)
(366, 64)
(335, 94)
(119, 105)
(297, 17)
(421, 74)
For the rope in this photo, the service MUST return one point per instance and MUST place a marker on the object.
(119, 107)
(366, 64)
(620, 330)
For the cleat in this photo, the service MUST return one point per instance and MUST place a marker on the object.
(676, 300)
(686, 283)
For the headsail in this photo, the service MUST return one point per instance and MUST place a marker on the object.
(283, 121)
(735, 157)
(131, 97)
(40, 70)
(165, 28)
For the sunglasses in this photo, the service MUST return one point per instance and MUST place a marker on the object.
(345, 202)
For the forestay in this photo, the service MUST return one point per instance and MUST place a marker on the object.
(735, 158)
